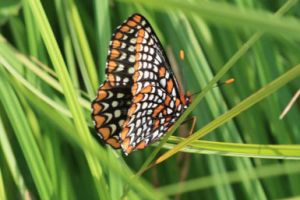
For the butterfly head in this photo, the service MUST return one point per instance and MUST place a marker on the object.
(186, 99)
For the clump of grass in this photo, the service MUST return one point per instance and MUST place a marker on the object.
(50, 68)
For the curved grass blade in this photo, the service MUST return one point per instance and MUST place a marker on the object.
(238, 150)
(232, 177)
(25, 137)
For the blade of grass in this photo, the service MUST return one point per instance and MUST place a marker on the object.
(25, 138)
(232, 177)
(82, 50)
(239, 150)
(67, 43)
(11, 161)
(103, 29)
(2, 190)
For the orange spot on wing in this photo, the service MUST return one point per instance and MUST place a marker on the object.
(140, 37)
(105, 132)
(131, 23)
(177, 102)
(114, 54)
(101, 95)
(168, 119)
(112, 66)
(136, 65)
(113, 142)
(167, 100)
(116, 43)
(162, 72)
(111, 78)
(99, 120)
(106, 85)
(156, 124)
(135, 76)
(119, 35)
(170, 85)
(126, 146)
(141, 33)
(131, 110)
(165, 112)
(96, 108)
(157, 110)
(125, 28)
(134, 89)
(137, 18)
(124, 133)
(138, 98)
(146, 89)
(138, 47)
(141, 145)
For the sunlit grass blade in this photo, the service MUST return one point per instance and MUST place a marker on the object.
(103, 30)
(288, 151)
(81, 47)
(25, 138)
(11, 161)
(67, 43)
(2, 190)
(232, 177)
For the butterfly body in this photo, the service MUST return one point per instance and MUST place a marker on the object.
(140, 99)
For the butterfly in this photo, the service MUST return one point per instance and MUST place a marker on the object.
(140, 99)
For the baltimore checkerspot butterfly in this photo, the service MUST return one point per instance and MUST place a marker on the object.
(140, 98)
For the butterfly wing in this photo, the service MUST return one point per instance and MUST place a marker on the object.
(157, 101)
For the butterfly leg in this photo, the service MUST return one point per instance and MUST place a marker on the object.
(194, 120)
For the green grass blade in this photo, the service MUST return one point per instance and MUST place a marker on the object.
(239, 150)
(103, 29)
(233, 177)
(26, 139)
(11, 161)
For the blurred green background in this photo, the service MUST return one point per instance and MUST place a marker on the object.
(52, 59)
